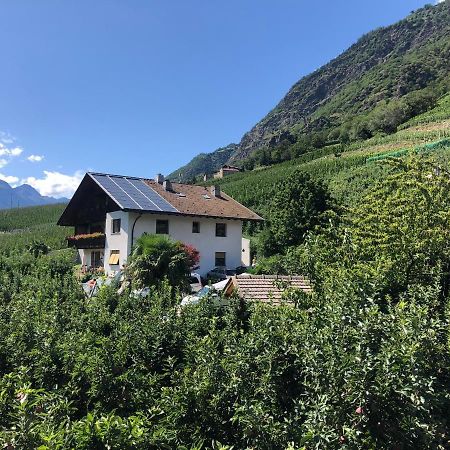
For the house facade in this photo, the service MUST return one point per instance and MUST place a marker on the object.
(226, 170)
(109, 212)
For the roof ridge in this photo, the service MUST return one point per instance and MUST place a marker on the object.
(115, 175)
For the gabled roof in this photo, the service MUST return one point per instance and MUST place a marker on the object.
(196, 200)
(265, 288)
(147, 196)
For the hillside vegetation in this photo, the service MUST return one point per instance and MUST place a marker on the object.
(362, 362)
(389, 76)
(19, 227)
(344, 169)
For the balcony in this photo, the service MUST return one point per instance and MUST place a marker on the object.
(87, 241)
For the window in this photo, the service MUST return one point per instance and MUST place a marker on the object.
(221, 229)
(162, 227)
(220, 259)
(115, 226)
(114, 257)
(196, 227)
(96, 259)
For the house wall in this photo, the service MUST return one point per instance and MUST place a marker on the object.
(85, 256)
(246, 252)
(118, 241)
(180, 228)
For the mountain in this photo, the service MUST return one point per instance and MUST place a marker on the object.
(24, 195)
(204, 163)
(388, 76)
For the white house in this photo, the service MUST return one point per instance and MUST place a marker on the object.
(109, 212)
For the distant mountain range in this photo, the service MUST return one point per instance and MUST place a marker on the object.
(394, 68)
(24, 195)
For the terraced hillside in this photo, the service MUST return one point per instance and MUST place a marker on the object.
(345, 170)
(389, 76)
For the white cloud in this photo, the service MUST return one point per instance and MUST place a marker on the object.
(3, 162)
(9, 179)
(6, 138)
(55, 184)
(15, 151)
(35, 158)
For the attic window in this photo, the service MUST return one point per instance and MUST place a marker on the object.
(206, 196)
(180, 194)
(196, 227)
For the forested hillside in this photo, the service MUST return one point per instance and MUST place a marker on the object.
(389, 76)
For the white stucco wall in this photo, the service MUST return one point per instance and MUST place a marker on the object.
(85, 256)
(180, 228)
(118, 241)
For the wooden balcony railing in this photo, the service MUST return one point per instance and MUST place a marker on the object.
(87, 241)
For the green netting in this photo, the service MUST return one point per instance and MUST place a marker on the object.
(432, 146)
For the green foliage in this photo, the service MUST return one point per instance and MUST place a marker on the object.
(21, 227)
(392, 76)
(362, 362)
(386, 227)
(156, 258)
(204, 163)
(298, 205)
(20, 218)
(130, 373)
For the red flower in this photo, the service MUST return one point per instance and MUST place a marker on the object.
(359, 410)
(192, 254)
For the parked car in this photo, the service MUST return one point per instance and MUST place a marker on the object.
(195, 281)
(211, 290)
(221, 273)
(240, 269)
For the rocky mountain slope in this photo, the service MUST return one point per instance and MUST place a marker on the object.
(409, 59)
(24, 195)
(204, 163)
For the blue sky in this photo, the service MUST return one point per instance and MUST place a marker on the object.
(137, 87)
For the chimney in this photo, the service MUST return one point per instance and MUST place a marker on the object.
(159, 178)
(215, 190)
(167, 185)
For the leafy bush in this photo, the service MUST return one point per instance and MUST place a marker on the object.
(155, 258)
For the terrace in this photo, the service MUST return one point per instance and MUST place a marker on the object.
(87, 241)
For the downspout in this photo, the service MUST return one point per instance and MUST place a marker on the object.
(132, 230)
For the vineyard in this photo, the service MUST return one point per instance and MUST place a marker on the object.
(362, 362)
(346, 172)
(19, 227)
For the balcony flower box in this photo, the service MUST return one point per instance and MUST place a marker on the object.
(87, 241)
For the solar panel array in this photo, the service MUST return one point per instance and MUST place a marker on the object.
(132, 193)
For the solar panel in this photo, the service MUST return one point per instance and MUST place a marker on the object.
(153, 196)
(123, 199)
(133, 193)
